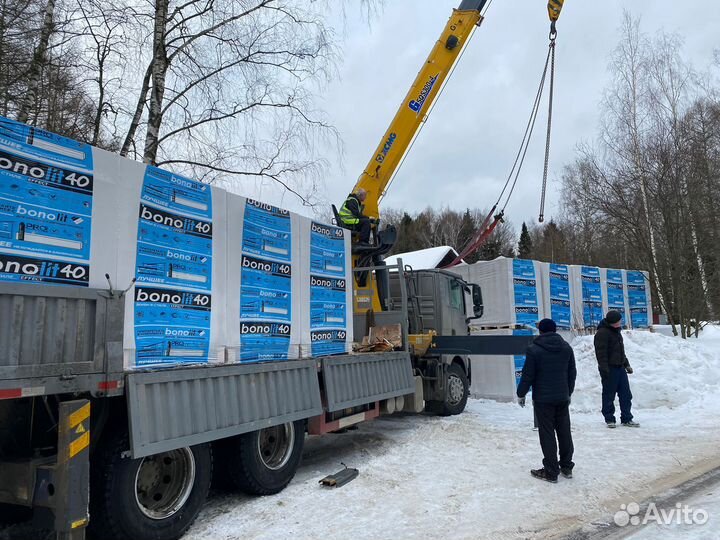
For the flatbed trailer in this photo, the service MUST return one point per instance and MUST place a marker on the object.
(65, 401)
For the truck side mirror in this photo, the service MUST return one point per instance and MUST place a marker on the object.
(477, 300)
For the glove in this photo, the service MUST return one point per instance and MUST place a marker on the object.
(629, 370)
(521, 402)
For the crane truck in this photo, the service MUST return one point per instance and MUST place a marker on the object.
(132, 453)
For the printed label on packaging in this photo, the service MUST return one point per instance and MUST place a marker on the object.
(266, 290)
(560, 312)
(327, 342)
(327, 302)
(174, 250)
(523, 269)
(637, 297)
(639, 317)
(591, 288)
(525, 292)
(616, 296)
(526, 315)
(559, 282)
(175, 232)
(266, 283)
(171, 326)
(266, 231)
(616, 289)
(328, 287)
(635, 277)
(177, 194)
(616, 301)
(615, 277)
(327, 249)
(46, 198)
(31, 270)
(616, 292)
(559, 287)
(592, 313)
(519, 359)
(263, 340)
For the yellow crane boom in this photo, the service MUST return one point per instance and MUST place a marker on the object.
(416, 106)
(399, 137)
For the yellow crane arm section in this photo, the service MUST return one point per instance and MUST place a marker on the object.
(416, 106)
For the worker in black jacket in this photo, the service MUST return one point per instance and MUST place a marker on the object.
(352, 215)
(614, 368)
(550, 371)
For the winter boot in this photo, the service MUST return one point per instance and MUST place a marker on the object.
(631, 423)
(542, 474)
(611, 424)
(567, 473)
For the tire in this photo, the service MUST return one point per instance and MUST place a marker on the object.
(457, 392)
(152, 498)
(264, 462)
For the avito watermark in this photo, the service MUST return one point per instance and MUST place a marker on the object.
(680, 514)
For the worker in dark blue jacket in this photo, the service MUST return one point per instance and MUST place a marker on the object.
(550, 371)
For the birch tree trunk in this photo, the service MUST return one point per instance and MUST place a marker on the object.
(137, 116)
(38, 61)
(159, 72)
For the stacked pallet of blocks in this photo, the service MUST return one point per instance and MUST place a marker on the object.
(210, 276)
(519, 293)
(514, 301)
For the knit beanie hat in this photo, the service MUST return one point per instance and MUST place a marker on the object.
(547, 325)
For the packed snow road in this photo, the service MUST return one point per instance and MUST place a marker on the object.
(468, 476)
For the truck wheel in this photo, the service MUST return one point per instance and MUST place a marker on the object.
(152, 498)
(457, 392)
(266, 460)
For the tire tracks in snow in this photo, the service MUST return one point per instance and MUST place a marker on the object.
(664, 493)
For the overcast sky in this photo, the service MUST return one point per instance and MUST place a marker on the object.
(464, 152)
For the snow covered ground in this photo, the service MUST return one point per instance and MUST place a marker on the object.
(684, 526)
(468, 476)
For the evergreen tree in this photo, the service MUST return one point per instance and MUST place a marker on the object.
(525, 245)
(467, 231)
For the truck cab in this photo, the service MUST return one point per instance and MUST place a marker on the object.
(439, 303)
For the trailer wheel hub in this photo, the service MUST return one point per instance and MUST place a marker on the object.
(163, 483)
(275, 445)
(456, 389)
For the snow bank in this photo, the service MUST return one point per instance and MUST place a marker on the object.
(669, 372)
